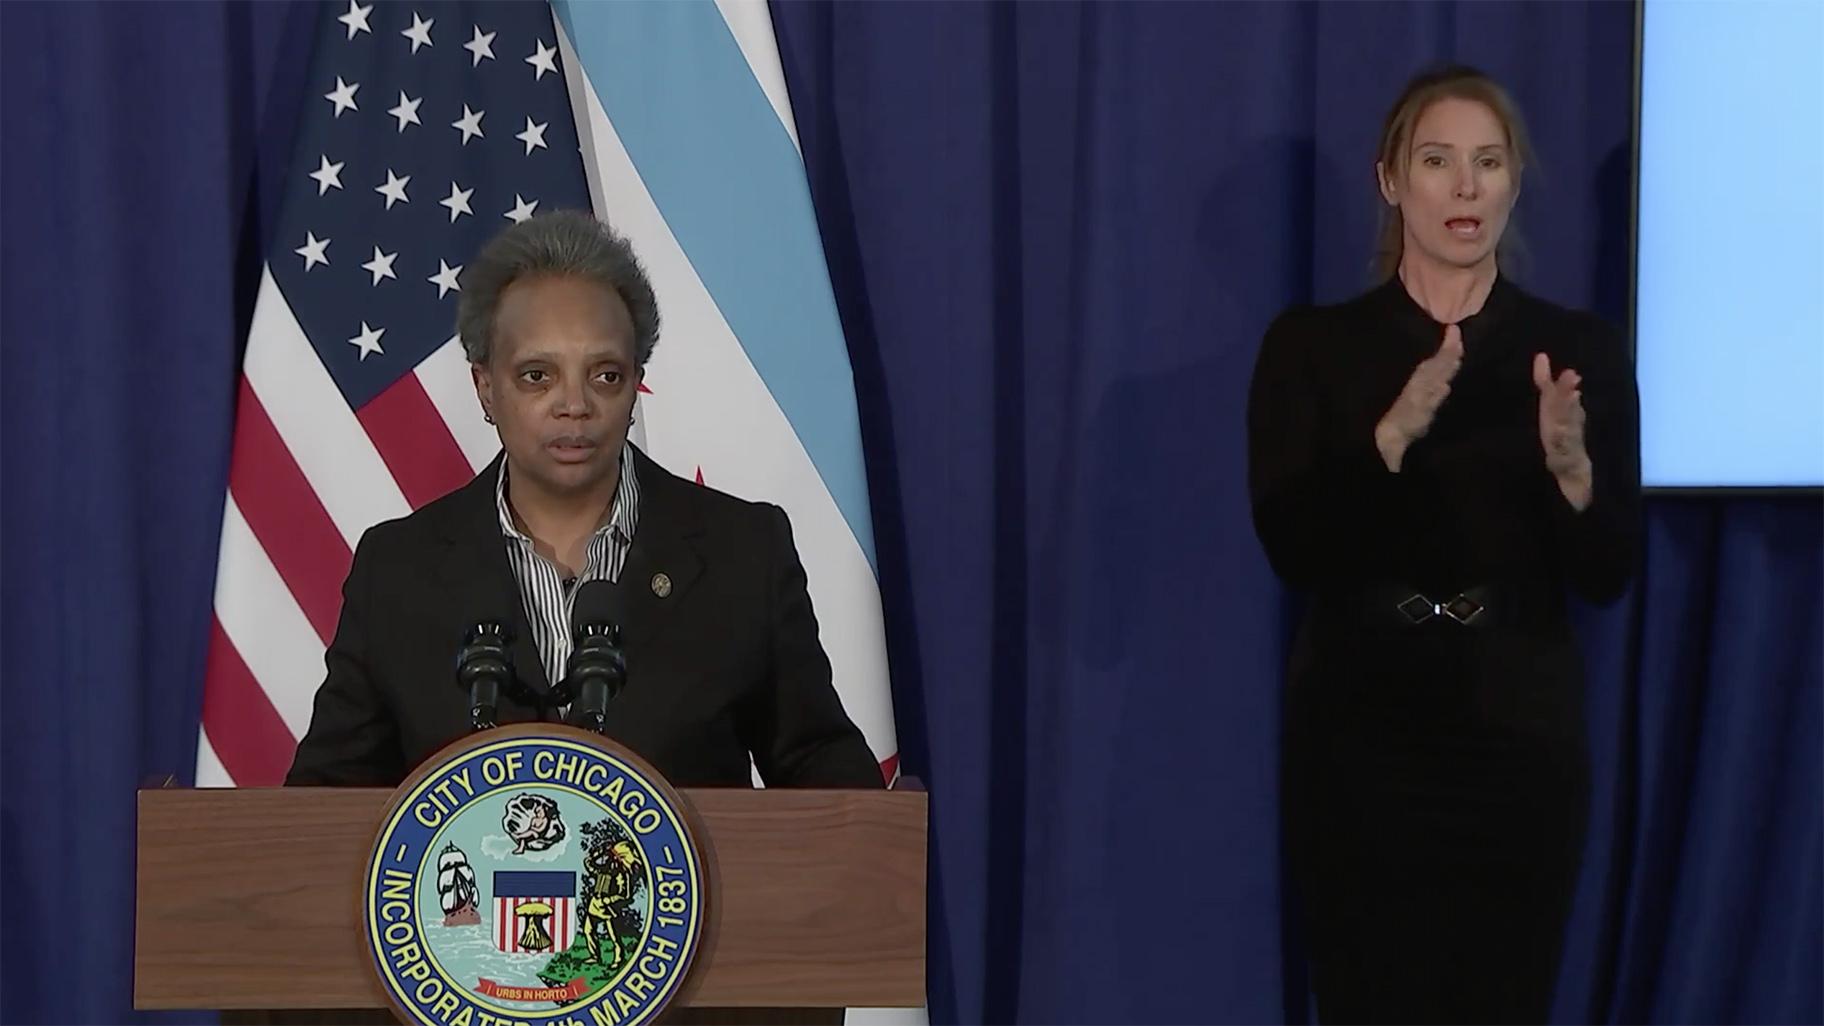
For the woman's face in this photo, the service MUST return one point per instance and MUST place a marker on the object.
(1458, 185)
(560, 383)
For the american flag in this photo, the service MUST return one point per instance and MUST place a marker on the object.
(429, 127)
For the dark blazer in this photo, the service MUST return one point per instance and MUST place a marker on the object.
(726, 664)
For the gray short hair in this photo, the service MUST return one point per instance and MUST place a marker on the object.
(568, 243)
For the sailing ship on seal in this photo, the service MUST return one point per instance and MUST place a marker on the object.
(456, 888)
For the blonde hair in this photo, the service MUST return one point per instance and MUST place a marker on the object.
(1452, 82)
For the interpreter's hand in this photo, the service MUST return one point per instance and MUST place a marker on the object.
(1410, 416)
(1561, 421)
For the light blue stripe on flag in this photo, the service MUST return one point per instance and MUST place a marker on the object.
(731, 186)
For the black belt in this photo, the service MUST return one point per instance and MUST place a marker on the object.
(1468, 607)
(1398, 606)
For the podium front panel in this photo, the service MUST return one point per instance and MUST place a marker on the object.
(248, 898)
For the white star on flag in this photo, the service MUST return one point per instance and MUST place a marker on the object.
(481, 46)
(328, 176)
(458, 202)
(381, 266)
(356, 18)
(314, 251)
(533, 136)
(393, 188)
(544, 59)
(521, 210)
(445, 279)
(343, 95)
(407, 111)
(469, 124)
(368, 341)
(420, 32)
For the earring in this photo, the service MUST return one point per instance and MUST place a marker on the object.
(489, 417)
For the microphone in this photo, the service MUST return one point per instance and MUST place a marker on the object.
(483, 668)
(597, 670)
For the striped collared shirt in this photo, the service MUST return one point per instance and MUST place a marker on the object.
(547, 597)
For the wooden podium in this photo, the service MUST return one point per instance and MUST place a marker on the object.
(249, 899)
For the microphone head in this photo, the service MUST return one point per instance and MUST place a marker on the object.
(597, 669)
(596, 608)
(490, 633)
(483, 667)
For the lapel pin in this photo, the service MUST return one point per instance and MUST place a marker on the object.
(661, 585)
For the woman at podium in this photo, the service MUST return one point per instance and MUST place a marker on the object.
(723, 661)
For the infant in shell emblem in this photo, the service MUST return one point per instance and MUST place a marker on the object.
(534, 822)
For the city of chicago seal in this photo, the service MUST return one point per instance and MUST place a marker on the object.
(533, 876)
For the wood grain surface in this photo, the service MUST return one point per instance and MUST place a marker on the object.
(250, 898)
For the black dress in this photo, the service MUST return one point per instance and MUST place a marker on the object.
(1435, 774)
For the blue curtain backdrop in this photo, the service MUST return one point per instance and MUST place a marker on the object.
(1056, 234)
(129, 258)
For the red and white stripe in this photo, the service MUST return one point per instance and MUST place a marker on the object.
(509, 928)
(306, 478)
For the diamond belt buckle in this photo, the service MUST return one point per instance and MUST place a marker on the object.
(1418, 608)
(1463, 609)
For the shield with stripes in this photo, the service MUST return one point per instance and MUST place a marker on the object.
(534, 912)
